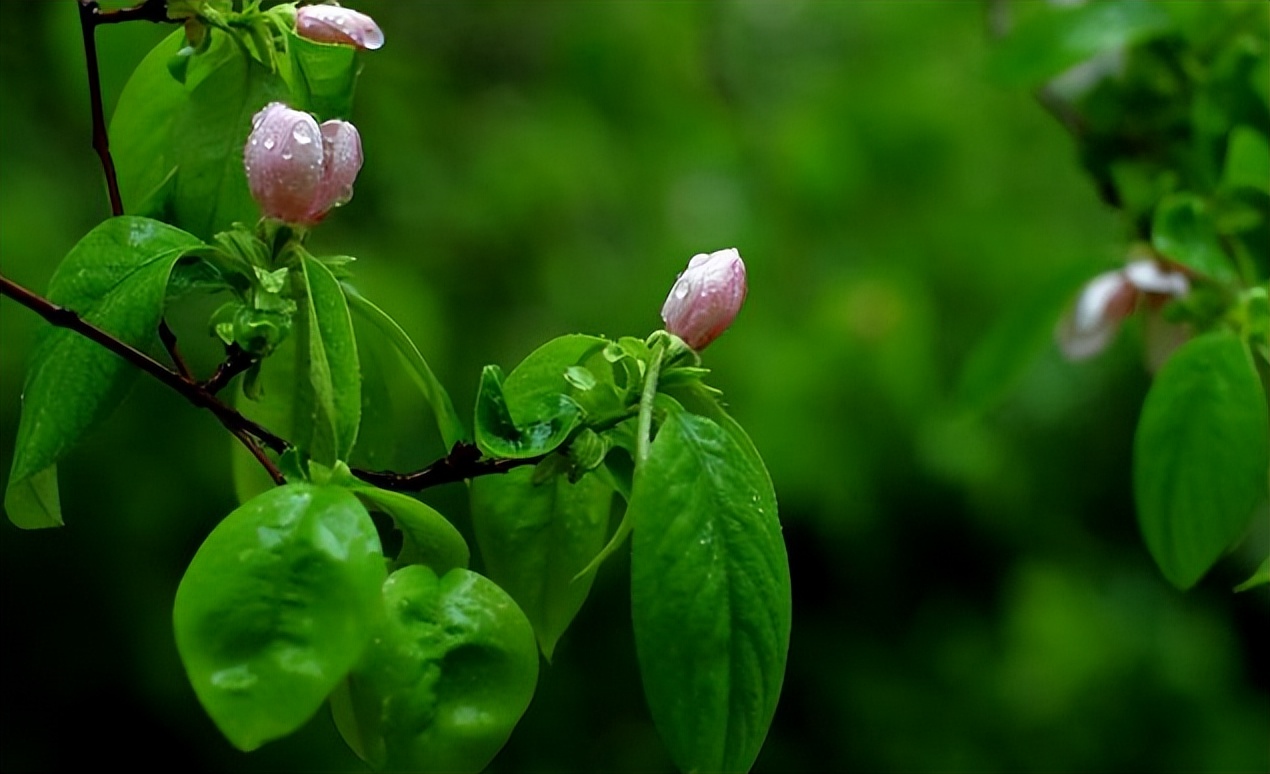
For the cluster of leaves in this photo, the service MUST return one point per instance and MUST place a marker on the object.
(292, 601)
(1169, 104)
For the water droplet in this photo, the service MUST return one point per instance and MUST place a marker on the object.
(255, 141)
(301, 135)
(269, 143)
(681, 292)
(236, 679)
(287, 155)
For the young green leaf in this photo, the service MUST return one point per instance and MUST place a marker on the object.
(710, 594)
(534, 387)
(332, 365)
(536, 538)
(1259, 578)
(498, 435)
(276, 607)
(446, 678)
(1182, 229)
(430, 539)
(116, 278)
(1200, 456)
(448, 421)
(324, 73)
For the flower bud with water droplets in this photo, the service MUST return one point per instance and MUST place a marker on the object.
(706, 297)
(298, 170)
(333, 24)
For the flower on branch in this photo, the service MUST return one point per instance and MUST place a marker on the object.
(333, 24)
(1109, 298)
(298, 170)
(706, 297)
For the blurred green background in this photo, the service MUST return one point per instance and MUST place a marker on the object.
(970, 590)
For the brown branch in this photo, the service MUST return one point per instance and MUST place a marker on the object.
(463, 462)
(190, 390)
(90, 17)
(236, 361)
(168, 337)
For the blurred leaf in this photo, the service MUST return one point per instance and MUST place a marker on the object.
(451, 426)
(1201, 456)
(535, 538)
(430, 538)
(141, 129)
(1182, 230)
(710, 595)
(1026, 329)
(116, 278)
(1247, 160)
(447, 676)
(333, 369)
(1259, 578)
(1052, 41)
(276, 607)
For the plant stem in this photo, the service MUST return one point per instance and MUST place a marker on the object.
(644, 432)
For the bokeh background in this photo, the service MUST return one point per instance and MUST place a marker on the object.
(970, 589)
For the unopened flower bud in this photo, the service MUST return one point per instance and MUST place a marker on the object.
(1109, 298)
(333, 24)
(706, 297)
(298, 170)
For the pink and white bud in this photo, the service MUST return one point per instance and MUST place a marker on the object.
(333, 24)
(298, 170)
(706, 297)
(1109, 298)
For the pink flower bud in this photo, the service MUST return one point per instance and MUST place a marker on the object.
(298, 170)
(333, 24)
(1109, 298)
(706, 297)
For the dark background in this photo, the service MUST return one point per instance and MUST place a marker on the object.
(970, 591)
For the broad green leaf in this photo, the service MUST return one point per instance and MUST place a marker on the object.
(446, 678)
(448, 421)
(141, 129)
(1002, 357)
(277, 605)
(1259, 578)
(498, 435)
(1182, 229)
(207, 139)
(116, 278)
(1201, 456)
(1247, 160)
(710, 594)
(1058, 38)
(534, 387)
(332, 365)
(430, 538)
(536, 538)
(325, 73)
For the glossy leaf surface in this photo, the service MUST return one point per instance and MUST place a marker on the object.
(1200, 456)
(446, 678)
(277, 606)
(536, 538)
(115, 278)
(710, 594)
(334, 376)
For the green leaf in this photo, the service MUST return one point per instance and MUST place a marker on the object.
(116, 278)
(534, 387)
(1247, 160)
(325, 73)
(1200, 456)
(276, 607)
(710, 594)
(498, 435)
(448, 421)
(1259, 578)
(275, 410)
(141, 129)
(430, 539)
(536, 538)
(1057, 38)
(333, 369)
(1182, 230)
(446, 678)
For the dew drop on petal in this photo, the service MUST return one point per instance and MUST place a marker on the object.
(269, 143)
(301, 135)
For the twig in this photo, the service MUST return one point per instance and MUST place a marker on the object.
(190, 390)
(236, 361)
(168, 337)
(463, 462)
(90, 16)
